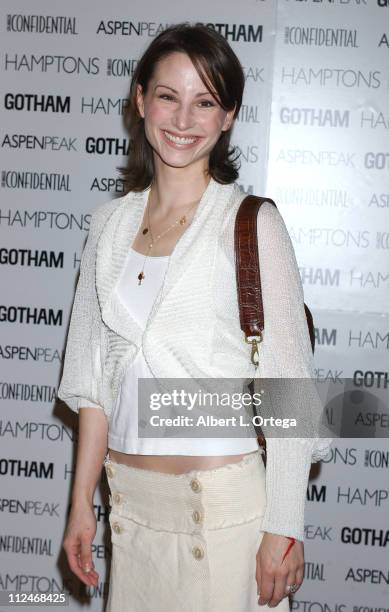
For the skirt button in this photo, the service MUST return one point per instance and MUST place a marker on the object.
(197, 552)
(196, 515)
(117, 498)
(116, 527)
(195, 485)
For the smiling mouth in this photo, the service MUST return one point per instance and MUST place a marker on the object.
(180, 139)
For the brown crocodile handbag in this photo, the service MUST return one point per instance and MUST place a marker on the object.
(248, 280)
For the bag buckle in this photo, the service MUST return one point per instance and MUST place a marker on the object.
(254, 341)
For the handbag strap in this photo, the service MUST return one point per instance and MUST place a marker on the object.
(248, 277)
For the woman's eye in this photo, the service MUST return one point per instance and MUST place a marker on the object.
(206, 103)
(166, 97)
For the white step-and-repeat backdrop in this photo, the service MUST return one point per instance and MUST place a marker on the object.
(313, 133)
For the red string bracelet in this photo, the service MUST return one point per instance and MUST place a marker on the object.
(292, 541)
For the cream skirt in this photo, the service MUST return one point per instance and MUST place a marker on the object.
(186, 542)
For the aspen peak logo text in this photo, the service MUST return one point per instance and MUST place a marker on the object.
(129, 28)
(108, 184)
(29, 506)
(27, 353)
(367, 575)
(43, 143)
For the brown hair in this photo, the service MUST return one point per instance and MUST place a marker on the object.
(216, 64)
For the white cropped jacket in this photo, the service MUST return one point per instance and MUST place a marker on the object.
(193, 329)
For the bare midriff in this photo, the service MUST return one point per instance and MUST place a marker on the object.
(174, 464)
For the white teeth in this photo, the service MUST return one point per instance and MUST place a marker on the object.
(179, 140)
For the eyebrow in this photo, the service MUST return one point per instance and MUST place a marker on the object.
(203, 93)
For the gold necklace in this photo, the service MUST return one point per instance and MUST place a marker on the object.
(181, 221)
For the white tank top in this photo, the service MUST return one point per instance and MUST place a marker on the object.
(123, 430)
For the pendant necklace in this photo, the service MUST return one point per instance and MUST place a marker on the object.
(146, 230)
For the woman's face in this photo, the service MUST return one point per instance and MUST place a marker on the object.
(182, 120)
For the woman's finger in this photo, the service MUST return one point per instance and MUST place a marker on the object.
(86, 554)
(72, 547)
(258, 576)
(267, 587)
(279, 590)
(295, 577)
(92, 574)
(72, 555)
(299, 575)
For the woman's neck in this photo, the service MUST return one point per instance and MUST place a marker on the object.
(175, 188)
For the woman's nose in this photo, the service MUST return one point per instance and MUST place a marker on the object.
(183, 117)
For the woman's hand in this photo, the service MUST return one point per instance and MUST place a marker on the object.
(272, 575)
(79, 535)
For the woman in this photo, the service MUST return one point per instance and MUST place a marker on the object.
(196, 523)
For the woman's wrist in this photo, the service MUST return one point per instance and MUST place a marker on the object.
(82, 499)
(291, 543)
(290, 539)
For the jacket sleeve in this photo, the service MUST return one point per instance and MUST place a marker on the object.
(285, 353)
(81, 382)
